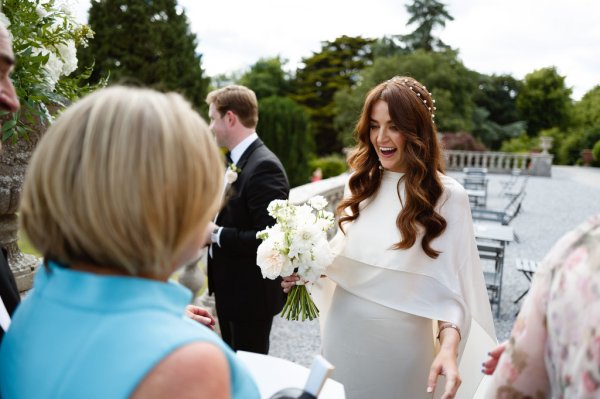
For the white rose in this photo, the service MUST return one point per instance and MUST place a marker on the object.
(230, 176)
(269, 260)
(318, 202)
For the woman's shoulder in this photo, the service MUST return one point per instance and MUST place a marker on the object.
(200, 368)
(450, 183)
(453, 190)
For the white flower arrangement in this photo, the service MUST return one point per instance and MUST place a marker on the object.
(297, 243)
(45, 36)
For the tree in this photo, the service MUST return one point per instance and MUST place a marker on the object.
(267, 78)
(284, 127)
(497, 94)
(427, 15)
(496, 118)
(388, 46)
(585, 128)
(586, 112)
(146, 41)
(335, 67)
(450, 82)
(544, 101)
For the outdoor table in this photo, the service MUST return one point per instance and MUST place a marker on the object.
(495, 232)
(273, 374)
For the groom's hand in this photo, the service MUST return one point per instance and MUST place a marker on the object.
(208, 233)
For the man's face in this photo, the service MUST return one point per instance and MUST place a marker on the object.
(218, 125)
(8, 97)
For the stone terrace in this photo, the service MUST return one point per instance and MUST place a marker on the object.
(551, 207)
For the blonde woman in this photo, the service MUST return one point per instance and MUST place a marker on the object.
(117, 196)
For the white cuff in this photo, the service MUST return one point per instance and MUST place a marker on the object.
(217, 237)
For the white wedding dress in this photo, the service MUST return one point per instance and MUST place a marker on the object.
(380, 306)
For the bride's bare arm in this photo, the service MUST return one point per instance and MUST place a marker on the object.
(446, 361)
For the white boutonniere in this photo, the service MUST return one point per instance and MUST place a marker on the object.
(231, 174)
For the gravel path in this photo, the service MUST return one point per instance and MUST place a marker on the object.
(551, 207)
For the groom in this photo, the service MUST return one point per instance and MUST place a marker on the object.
(246, 303)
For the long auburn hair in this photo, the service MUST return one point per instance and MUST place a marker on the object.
(411, 109)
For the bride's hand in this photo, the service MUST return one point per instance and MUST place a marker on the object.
(289, 281)
(446, 364)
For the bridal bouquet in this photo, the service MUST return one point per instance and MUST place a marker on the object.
(296, 243)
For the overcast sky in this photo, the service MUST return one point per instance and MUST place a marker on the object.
(501, 37)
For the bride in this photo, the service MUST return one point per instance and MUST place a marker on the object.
(405, 294)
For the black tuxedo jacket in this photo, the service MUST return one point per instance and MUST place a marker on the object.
(8, 288)
(241, 293)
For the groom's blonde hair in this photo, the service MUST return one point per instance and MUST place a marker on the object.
(124, 178)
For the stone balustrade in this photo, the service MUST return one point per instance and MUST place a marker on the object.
(500, 162)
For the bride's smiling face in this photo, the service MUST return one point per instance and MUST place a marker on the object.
(386, 138)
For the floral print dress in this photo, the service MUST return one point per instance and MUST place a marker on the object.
(554, 348)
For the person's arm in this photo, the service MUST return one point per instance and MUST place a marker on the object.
(446, 361)
(521, 371)
(267, 184)
(197, 370)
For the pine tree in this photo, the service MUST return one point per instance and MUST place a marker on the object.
(147, 42)
(427, 14)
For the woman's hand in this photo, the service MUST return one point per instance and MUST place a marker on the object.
(446, 364)
(200, 315)
(289, 281)
(489, 366)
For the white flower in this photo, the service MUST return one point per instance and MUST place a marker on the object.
(270, 260)
(4, 20)
(53, 69)
(322, 255)
(230, 176)
(68, 53)
(318, 202)
(41, 11)
(67, 6)
(303, 238)
(304, 215)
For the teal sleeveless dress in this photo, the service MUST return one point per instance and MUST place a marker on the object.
(83, 335)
